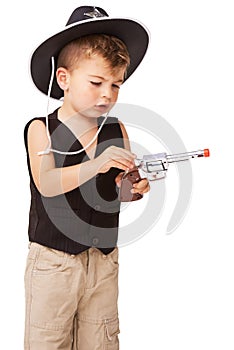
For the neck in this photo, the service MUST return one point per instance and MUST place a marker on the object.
(67, 115)
(84, 128)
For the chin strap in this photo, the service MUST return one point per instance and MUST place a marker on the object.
(49, 149)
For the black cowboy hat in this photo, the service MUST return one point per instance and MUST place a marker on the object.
(83, 21)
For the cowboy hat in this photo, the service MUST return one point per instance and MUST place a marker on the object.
(83, 21)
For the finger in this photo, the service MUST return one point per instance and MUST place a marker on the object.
(146, 189)
(118, 179)
(126, 162)
(141, 184)
(141, 189)
(123, 153)
(120, 165)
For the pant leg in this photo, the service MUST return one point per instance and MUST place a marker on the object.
(75, 331)
(52, 286)
(98, 323)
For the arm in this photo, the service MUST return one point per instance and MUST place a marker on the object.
(125, 137)
(51, 181)
(126, 146)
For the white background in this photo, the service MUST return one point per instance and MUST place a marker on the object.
(176, 291)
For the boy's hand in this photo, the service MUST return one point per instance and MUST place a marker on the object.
(116, 157)
(140, 187)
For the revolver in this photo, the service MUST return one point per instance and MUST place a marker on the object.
(155, 167)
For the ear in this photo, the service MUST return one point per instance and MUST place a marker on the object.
(62, 76)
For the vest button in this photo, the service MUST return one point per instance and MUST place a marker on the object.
(95, 241)
(97, 207)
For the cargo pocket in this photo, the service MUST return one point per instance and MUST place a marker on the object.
(49, 261)
(113, 257)
(111, 334)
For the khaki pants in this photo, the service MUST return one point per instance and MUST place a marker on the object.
(71, 300)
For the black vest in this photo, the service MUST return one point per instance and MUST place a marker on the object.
(86, 216)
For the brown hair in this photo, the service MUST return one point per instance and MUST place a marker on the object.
(112, 49)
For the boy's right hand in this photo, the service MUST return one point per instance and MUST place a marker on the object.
(115, 157)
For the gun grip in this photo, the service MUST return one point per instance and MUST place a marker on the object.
(128, 179)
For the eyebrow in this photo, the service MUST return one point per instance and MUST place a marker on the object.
(97, 76)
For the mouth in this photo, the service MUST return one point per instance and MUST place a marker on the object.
(102, 107)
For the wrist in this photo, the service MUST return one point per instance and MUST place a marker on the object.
(96, 165)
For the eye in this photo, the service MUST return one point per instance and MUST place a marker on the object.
(95, 83)
(116, 86)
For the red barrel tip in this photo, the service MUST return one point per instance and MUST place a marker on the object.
(206, 152)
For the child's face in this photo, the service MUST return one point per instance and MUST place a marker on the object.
(92, 87)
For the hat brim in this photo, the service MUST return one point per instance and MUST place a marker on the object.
(132, 33)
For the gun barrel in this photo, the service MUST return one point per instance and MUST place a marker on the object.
(172, 158)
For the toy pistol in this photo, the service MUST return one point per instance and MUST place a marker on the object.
(155, 167)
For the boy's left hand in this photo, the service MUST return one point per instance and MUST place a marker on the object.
(140, 187)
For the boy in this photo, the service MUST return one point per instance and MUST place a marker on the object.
(75, 159)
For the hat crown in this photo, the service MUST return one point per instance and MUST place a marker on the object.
(86, 12)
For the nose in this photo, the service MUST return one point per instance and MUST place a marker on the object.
(106, 92)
